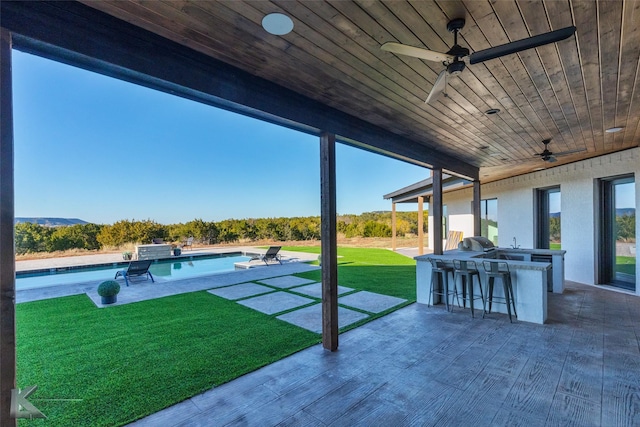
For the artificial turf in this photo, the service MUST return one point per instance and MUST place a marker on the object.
(110, 366)
(368, 269)
(127, 361)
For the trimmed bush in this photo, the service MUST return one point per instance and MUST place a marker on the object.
(108, 288)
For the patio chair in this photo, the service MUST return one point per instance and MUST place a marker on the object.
(187, 243)
(157, 241)
(270, 255)
(136, 268)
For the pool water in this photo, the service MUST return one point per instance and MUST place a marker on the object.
(165, 270)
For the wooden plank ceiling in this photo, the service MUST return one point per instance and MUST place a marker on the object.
(571, 91)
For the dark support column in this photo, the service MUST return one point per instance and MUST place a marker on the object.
(477, 215)
(328, 237)
(420, 225)
(7, 255)
(393, 226)
(436, 208)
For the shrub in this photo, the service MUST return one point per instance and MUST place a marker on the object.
(108, 288)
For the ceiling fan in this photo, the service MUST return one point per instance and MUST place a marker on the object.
(550, 157)
(453, 58)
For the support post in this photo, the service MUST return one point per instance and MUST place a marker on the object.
(328, 237)
(436, 208)
(393, 226)
(7, 249)
(477, 215)
(420, 225)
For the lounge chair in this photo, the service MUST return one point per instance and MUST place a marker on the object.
(270, 255)
(187, 243)
(136, 268)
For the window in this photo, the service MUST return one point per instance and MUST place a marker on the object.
(489, 219)
(548, 218)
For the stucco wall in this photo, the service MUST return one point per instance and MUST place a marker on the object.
(577, 183)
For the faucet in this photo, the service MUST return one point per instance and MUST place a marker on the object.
(515, 245)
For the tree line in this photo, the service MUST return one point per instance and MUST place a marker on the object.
(30, 237)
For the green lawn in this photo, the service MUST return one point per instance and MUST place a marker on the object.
(375, 270)
(125, 362)
(626, 264)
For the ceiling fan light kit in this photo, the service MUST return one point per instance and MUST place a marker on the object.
(549, 156)
(453, 58)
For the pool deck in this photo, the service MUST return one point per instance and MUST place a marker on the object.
(293, 262)
(39, 264)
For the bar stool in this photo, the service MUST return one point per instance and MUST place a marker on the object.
(440, 272)
(499, 270)
(466, 271)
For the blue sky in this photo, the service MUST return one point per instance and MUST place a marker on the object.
(96, 148)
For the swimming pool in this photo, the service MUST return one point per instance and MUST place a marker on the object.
(164, 270)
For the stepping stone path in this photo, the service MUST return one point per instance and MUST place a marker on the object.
(281, 294)
(242, 290)
(286, 281)
(275, 302)
(315, 290)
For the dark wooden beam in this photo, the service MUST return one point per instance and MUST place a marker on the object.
(393, 226)
(328, 236)
(477, 215)
(436, 209)
(76, 34)
(420, 225)
(7, 251)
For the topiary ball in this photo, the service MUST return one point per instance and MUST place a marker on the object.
(108, 288)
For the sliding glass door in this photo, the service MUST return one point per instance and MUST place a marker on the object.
(618, 232)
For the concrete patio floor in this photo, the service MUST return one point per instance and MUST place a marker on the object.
(426, 366)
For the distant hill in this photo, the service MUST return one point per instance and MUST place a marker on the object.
(619, 212)
(51, 222)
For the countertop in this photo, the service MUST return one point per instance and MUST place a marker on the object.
(478, 256)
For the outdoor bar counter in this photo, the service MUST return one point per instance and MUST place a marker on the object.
(532, 276)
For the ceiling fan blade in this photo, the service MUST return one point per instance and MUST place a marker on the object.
(438, 87)
(416, 52)
(563, 153)
(520, 45)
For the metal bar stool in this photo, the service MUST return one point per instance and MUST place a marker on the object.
(466, 271)
(500, 270)
(440, 272)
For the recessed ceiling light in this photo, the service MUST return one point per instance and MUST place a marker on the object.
(613, 130)
(277, 24)
(491, 111)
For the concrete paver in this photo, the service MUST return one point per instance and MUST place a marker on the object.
(242, 290)
(310, 318)
(286, 281)
(315, 290)
(370, 301)
(276, 302)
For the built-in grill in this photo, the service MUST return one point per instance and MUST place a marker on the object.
(476, 244)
